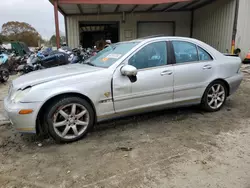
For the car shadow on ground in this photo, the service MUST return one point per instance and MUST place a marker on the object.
(176, 118)
(126, 122)
(174, 114)
(130, 123)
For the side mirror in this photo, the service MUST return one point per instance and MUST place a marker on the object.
(128, 70)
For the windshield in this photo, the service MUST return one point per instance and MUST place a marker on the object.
(111, 54)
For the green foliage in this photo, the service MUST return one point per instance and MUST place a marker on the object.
(52, 40)
(3, 39)
(20, 31)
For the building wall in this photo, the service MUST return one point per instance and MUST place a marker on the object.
(182, 24)
(243, 27)
(213, 24)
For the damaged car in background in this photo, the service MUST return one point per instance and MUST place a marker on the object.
(125, 78)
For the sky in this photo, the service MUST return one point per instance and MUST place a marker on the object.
(38, 13)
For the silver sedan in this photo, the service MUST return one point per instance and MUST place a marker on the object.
(123, 79)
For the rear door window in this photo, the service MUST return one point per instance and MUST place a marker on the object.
(185, 52)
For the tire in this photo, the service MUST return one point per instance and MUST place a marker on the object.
(210, 95)
(4, 75)
(60, 119)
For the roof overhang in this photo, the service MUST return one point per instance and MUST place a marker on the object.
(123, 2)
(93, 7)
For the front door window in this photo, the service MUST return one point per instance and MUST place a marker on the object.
(152, 55)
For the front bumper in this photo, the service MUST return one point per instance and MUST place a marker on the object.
(234, 82)
(23, 123)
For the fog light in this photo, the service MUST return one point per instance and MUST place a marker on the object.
(25, 111)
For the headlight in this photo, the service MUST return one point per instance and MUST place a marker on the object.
(19, 94)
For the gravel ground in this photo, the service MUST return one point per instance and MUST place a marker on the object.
(168, 149)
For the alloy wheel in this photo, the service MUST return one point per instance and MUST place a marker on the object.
(216, 96)
(71, 121)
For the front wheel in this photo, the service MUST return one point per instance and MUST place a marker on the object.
(69, 119)
(214, 97)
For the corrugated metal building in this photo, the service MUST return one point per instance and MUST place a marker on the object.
(213, 24)
(243, 27)
(219, 23)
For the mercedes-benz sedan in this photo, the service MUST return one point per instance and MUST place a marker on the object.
(123, 79)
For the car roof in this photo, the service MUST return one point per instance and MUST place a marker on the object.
(160, 37)
(205, 46)
(152, 38)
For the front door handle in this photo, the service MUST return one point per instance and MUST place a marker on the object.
(167, 72)
(207, 67)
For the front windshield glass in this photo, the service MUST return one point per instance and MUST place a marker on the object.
(111, 54)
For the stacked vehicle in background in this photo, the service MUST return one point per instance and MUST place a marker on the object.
(17, 57)
(44, 59)
(4, 73)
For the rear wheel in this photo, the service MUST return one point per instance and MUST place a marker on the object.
(214, 97)
(69, 119)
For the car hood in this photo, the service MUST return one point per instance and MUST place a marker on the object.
(42, 76)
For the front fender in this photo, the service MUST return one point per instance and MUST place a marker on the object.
(42, 95)
(96, 90)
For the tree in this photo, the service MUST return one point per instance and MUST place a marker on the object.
(45, 42)
(3, 39)
(63, 39)
(21, 31)
(14, 28)
(52, 40)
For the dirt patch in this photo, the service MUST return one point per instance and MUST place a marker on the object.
(173, 148)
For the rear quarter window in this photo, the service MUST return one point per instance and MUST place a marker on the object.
(204, 55)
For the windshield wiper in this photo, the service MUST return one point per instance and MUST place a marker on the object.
(89, 63)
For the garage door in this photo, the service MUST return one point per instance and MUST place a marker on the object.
(154, 28)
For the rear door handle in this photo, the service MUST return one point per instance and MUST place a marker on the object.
(207, 67)
(166, 72)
